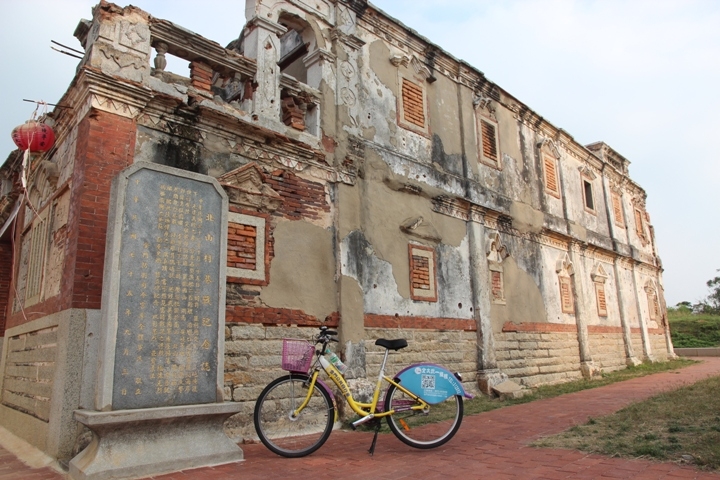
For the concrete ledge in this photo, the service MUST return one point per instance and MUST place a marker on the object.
(152, 441)
(698, 352)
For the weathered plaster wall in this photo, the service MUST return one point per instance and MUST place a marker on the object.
(302, 274)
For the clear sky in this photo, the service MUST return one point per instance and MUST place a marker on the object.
(641, 75)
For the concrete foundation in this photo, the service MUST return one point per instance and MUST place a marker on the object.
(144, 442)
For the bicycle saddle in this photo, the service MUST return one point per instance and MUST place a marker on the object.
(392, 344)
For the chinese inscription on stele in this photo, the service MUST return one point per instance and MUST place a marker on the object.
(169, 269)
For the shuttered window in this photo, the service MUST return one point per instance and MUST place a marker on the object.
(617, 210)
(490, 151)
(551, 178)
(566, 295)
(601, 301)
(36, 259)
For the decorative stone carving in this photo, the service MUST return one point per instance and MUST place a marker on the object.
(418, 227)
(564, 264)
(400, 60)
(496, 252)
(246, 186)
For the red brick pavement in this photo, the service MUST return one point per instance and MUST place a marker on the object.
(491, 445)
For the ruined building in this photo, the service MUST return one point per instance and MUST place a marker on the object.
(375, 183)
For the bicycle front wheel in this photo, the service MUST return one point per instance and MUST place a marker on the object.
(423, 429)
(284, 434)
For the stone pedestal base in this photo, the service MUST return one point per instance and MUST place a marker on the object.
(487, 379)
(589, 369)
(150, 441)
(633, 361)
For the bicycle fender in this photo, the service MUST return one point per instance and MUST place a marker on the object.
(431, 382)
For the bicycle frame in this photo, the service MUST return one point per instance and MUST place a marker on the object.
(367, 411)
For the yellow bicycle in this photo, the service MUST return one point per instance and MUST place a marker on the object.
(294, 415)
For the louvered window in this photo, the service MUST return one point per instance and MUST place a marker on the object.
(36, 259)
(601, 301)
(617, 210)
(490, 150)
(551, 177)
(566, 295)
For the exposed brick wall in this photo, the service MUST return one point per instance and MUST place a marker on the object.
(201, 76)
(276, 316)
(301, 198)
(413, 103)
(241, 246)
(425, 323)
(5, 276)
(105, 146)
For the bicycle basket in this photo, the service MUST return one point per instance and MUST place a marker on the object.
(297, 355)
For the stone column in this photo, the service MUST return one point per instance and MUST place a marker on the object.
(665, 322)
(488, 373)
(319, 65)
(262, 43)
(587, 366)
(647, 349)
(630, 358)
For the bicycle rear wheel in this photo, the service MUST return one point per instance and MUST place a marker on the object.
(288, 436)
(423, 429)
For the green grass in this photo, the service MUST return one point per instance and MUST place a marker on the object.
(482, 403)
(682, 425)
(689, 330)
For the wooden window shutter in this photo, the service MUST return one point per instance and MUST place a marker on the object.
(489, 141)
(617, 210)
(413, 103)
(566, 295)
(551, 180)
(601, 301)
(36, 259)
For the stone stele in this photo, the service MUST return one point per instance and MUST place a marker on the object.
(158, 403)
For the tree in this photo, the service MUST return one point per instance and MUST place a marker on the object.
(714, 298)
(711, 304)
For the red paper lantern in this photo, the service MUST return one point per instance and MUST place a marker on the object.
(35, 136)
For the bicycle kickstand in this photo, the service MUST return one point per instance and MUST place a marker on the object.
(372, 445)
